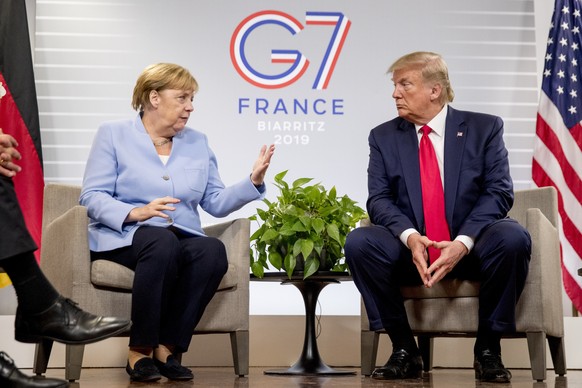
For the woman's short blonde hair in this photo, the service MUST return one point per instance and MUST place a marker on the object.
(160, 76)
(433, 68)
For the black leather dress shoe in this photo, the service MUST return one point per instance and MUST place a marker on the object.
(173, 370)
(65, 322)
(489, 367)
(144, 370)
(11, 377)
(401, 365)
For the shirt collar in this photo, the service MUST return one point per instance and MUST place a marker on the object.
(437, 124)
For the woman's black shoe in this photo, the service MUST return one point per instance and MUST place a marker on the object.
(143, 370)
(11, 377)
(173, 370)
(65, 322)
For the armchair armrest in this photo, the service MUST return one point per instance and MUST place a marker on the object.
(58, 199)
(229, 309)
(65, 250)
(235, 235)
(543, 284)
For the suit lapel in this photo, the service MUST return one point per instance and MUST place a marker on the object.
(455, 138)
(408, 151)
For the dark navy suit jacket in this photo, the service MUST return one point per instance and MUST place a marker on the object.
(477, 184)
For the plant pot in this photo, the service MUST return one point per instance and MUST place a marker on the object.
(324, 263)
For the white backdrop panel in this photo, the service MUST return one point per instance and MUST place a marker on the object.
(89, 53)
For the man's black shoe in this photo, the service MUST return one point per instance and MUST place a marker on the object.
(65, 322)
(489, 367)
(11, 377)
(401, 365)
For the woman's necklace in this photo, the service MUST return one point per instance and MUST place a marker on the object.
(163, 142)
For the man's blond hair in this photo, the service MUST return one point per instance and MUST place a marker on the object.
(433, 69)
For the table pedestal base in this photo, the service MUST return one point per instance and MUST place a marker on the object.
(302, 370)
(310, 363)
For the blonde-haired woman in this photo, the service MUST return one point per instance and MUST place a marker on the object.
(144, 181)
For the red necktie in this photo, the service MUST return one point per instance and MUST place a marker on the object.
(433, 197)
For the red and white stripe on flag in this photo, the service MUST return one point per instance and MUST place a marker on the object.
(557, 159)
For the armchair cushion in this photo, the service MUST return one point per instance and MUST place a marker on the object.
(107, 274)
(452, 288)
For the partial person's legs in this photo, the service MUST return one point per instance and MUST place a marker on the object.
(10, 376)
(33, 290)
(153, 256)
(43, 314)
(504, 251)
(379, 265)
(202, 265)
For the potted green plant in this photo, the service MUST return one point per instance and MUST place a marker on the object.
(304, 229)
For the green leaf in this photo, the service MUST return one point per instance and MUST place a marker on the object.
(258, 233)
(332, 194)
(300, 182)
(262, 214)
(263, 259)
(340, 267)
(299, 227)
(287, 230)
(333, 232)
(313, 196)
(318, 225)
(334, 249)
(269, 235)
(279, 177)
(306, 221)
(297, 247)
(311, 267)
(276, 260)
(290, 263)
(257, 270)
(306, 248)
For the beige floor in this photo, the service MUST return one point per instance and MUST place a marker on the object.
(224, 378)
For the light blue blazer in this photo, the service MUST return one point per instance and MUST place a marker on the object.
(124, 171)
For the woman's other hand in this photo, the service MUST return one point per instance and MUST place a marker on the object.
(262, 164)
(153, 209)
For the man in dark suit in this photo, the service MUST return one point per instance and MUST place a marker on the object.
(480, 243)
(42, 312)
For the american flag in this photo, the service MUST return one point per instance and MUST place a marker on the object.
(557, 157)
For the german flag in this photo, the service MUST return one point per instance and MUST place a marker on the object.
(19, 111)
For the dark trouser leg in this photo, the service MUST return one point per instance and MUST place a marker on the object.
(202, 265)
(35, 293)
(154, 256)
(379, 264)
(504, 251)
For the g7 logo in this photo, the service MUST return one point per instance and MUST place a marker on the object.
(298, 62)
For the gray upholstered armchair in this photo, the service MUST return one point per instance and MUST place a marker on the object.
(450, 308)
(104, 287)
